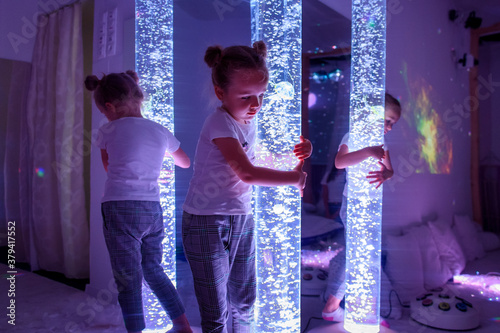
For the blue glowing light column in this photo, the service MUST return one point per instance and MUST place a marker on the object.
(154, 64)
(277, 209)
(364, 209)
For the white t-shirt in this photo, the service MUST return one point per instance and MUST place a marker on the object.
(345, 141)
(136, 149)
(215, 189)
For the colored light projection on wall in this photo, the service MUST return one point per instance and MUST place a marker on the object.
(154, 65)
(277, 209)
(433, 140)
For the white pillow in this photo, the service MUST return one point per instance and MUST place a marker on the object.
(404, 266)
(435, 273)
(450, 252)
(468, 238)
(489, 240)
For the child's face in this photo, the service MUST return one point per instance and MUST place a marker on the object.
(391, 117)
(243, 97)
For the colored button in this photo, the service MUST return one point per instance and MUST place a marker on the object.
(427, 302)
(423, 296)
(469, 304)
(462, 307)
(444, 306)
(307, 276)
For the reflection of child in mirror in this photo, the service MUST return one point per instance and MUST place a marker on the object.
(332, 186)
(132, 151)
(336, 278)
(217, 224)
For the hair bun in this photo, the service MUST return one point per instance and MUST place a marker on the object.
(91, 82)
(133, 75)
(213, 55)
(261, 48)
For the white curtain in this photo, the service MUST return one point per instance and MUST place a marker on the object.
(52, 151)
(18, 79)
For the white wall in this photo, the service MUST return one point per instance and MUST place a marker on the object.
(18, 20)
(420, 40)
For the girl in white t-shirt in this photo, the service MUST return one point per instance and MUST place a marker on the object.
(345, 158)
(217, 224)
(132, 150)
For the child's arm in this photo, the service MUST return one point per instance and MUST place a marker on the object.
(181, 159)
(345, 158)
(386, 171)
(250, 174)
(104, 157)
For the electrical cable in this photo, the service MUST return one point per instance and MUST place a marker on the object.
(390, 303)
(309, 321)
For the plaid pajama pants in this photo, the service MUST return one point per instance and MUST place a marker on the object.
(134, 231)
(336, 270)
(221, 252)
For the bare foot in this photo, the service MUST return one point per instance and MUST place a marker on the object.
(181, 325)
(332, 304)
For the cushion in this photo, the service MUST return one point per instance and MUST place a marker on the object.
(467, 235)
(435, 273)
(450, 252)
(404, 265)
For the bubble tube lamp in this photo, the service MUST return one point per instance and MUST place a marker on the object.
(154, 65)
(366, 128)
(277, 209)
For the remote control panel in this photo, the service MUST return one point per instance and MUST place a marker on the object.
(444, 310)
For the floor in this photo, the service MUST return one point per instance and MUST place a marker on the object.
(43, 305)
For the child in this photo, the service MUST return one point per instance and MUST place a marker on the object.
(336, 278)
(132, 150)
(332, 186)
(217, 224)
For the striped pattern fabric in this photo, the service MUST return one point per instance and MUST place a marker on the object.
(133, 231)
(221, 253)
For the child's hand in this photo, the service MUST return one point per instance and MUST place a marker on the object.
(304, 149)
(380, 176)
(376, 152)
(302, 177)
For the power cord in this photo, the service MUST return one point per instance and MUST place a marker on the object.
(309, 322)
(390, 303)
